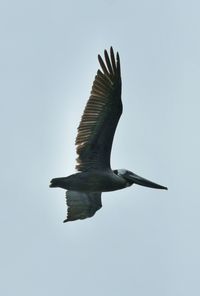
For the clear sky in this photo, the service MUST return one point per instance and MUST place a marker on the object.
(143, 241)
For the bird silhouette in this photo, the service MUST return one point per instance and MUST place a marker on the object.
(94, 143)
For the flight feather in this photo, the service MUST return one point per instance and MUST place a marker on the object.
(101, 115)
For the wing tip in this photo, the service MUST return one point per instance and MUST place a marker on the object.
(111, 65)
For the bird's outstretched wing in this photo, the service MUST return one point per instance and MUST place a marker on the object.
(100, 117)
(82, 205)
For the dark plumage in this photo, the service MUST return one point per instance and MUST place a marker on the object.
(93, 145)
(100, 117)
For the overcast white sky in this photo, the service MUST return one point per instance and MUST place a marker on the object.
(143, 241)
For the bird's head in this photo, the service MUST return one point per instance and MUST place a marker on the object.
(132, 178)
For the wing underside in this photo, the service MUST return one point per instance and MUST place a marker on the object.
(82, 205)
(101, 115)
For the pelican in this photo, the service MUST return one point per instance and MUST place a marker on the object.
(93, 146)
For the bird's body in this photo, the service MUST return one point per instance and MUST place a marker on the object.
(94, 142)
(95, 181)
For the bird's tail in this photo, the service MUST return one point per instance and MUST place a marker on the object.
(56, 182)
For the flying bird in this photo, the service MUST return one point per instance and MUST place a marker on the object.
(93, 146)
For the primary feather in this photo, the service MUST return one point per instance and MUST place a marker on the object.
(101, 115)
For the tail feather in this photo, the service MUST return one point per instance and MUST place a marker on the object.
(57, 182)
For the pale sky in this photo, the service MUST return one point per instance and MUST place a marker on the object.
(143, 241)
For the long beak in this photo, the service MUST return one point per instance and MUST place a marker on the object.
(143, 182)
